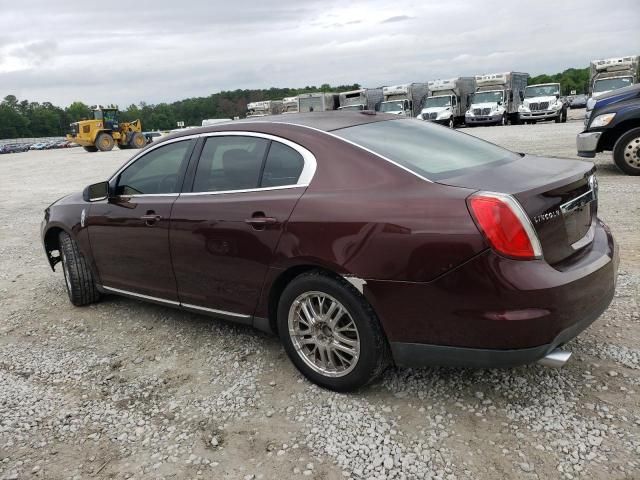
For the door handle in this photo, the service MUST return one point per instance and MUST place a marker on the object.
(261, 221)
(150, 219)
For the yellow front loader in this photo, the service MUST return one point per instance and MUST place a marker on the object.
(104, 131)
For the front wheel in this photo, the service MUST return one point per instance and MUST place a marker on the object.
(564, 115)
(78, 277)
(330, 332)
(626, 152)
(137, 140)
(104, 142)
(504, 120)
(451, 123)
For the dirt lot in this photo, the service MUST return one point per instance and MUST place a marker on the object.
(124, 389)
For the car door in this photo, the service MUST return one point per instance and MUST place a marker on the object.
(129, 232)
(224, 232)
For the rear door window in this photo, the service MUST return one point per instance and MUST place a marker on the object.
(230, 163)
(282, 167)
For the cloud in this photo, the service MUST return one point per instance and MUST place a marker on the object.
(53, 51)
(397, 18)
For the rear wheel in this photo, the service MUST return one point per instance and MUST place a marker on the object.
(626, 152)
(78, 277)
(330, 332)
(137, 140)
(91, 149)
(104, 142)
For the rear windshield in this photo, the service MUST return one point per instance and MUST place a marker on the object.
(431, 151)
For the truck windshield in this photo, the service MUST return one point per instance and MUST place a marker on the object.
(438, 102)
(352, 107)
(391, 107)
(608, 84)
(542, 91)
(487, 97)
(429, 150)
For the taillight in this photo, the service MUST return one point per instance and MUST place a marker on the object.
(505, 225)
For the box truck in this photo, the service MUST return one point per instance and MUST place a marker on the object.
(405, 100)
(361, 99)
(542, 102)
(317, 102)
(497, 99)
(448, 100)
(265, 107)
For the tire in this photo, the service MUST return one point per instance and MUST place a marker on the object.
(104, 142)
(137, 140)
(358, 323)
(515, 119)
(558, 118)
(451, 123)
(564, 115)
(626, 152)
(504, 121)
(123, 146)
(78, 277)
(90, 149)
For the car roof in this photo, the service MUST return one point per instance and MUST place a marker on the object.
(324, 121)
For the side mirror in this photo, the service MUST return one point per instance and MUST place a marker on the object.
(511, 96)
(557, 95)
(96, 192)
(521, 96)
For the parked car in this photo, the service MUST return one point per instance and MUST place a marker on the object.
(361, 239)
(614, 125)
(13, 148)
(38, 146)
(579, 101)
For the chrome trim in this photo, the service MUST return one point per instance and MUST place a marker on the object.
(308, 171)
(247, 190)
(138, 195)
(585, 240)
(176, 304)
(139, 295)
(213, 310)
(578, 202)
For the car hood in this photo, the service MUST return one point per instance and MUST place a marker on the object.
(547, 98)
(483, 105)
(72, 198)
(434, 109)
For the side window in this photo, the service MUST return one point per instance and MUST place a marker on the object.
(159, 171)
(455, 101)
(283, 166)
(230, 163)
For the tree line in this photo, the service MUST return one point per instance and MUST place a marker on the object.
(24, 119)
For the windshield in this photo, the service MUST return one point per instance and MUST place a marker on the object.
(487, 97)
(429, 150)
(353, 107)
(608, 84)
(392, 107)
(438, 102)
(542, 91)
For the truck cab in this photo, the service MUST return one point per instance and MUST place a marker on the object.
(542, 102)
(405, 100)
(497, 99)
(361, 99)
(440, 109)
(264, 108)
(448, 100)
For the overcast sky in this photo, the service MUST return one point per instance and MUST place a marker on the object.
(161, 51)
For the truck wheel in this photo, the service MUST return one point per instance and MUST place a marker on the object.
(104, 142)
(564, 115)
(626, 152)
(451, 123)
(137, 140)
(558, 118)
(91, 149)
(79, 280)
(331, 333)
(504, 120)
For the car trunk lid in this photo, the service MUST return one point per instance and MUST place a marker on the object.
(559, 196)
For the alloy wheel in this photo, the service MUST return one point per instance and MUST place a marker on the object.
(324, 334)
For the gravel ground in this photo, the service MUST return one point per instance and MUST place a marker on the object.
(124, 389)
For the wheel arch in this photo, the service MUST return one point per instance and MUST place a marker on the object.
(51, 240)
(611, 136)
(291, 273)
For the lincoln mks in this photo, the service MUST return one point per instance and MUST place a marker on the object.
(362, 240)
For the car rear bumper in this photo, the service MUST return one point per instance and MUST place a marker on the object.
(587, 143)
(493, 311)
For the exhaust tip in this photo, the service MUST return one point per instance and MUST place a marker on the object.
(555, 359)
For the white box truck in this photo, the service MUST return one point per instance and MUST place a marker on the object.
(613, 73)
(361, 99)
(448, 100)
(405, 100)
(542, 102)
(497, 98)
(317, 102)
(290, 105)
(263, 108)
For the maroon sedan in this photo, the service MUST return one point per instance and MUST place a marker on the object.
(360, 239)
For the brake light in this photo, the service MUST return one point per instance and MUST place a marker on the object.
(505, 225)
